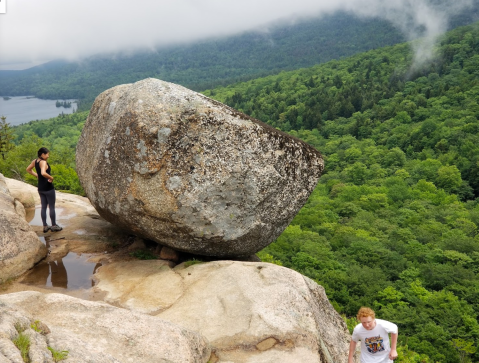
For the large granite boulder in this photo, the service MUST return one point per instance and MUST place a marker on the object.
(20, 247)
(176, 167)
(250, 312)
(92, 332)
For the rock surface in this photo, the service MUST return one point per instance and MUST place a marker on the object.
(20, 247)
(84, 230)
(85, 237)
(93, 332)
(250, 312)
(176, 167)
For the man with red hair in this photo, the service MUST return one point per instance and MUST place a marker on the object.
(374, 335)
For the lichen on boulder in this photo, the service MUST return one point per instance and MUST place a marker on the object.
(176, 167)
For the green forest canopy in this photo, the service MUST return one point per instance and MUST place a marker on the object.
(393, 222)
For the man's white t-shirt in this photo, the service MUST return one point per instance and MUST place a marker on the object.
(375, 346)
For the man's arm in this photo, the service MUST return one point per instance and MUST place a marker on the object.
(352, 349)
(393, 354)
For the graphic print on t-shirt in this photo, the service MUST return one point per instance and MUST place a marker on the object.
(374, 344)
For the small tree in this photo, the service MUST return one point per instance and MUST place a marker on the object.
(6, 137)
(465, 348)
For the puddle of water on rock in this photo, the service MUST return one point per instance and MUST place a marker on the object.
(34, 218)
(70, 272)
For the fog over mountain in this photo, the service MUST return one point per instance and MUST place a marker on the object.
(35, 31)
(415, 18)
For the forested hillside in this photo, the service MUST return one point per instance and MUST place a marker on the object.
(60, 135)
(393, 222)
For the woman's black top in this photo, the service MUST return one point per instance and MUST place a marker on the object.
(43, 184)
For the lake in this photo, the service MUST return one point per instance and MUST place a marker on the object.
(22, 109)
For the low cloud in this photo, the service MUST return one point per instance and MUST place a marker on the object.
(35, 31)
(424, 19)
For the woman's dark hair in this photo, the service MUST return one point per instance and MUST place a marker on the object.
(42, 150)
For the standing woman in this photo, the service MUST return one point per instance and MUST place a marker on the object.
(45, 188)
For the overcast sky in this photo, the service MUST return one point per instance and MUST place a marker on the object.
(36, 31)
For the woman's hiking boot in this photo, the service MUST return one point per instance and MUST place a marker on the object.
(55, 228)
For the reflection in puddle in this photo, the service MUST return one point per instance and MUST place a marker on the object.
(70, 272)
(35, 219)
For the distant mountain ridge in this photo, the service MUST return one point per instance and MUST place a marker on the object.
(208, 63)
(212, 63)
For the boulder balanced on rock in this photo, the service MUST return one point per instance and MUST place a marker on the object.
(176, 167)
